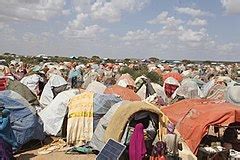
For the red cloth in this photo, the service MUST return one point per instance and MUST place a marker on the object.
(137, 148)
(3, 84)
(193, 118)
(170, 89)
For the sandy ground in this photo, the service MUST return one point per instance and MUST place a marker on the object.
(31, 153)
(55, 155)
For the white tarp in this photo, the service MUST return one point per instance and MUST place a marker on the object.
(31, 82)
(53, 115)
(47, 94)
(96, 87)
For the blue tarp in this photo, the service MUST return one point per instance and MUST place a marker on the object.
(26, 125)
(102, 103)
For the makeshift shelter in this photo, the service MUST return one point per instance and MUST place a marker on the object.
(101, 103)
(189, 89)
(124, 93)
(53, 115)
(23, 90)
(125, 79)
(55, 82)
(127, 116)
(25, 123)
(174, 75)
(97, 141)
(32, 82)
(217, 92)
(193, 118)
(232, 94)
(157, 88)
(96, 87)
(124, 115)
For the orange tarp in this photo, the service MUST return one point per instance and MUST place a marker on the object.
(128, 78)
(175, 75)
(124, 93)
(193, 118)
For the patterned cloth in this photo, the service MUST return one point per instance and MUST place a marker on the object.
(80, 119)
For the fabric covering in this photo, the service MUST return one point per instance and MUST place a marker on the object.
(25, 124)
(189, 89)
(80, 119)
(47, 94)
(23, 90)
(174, 75)
(126, 78)
(122, 116)
(53, 115)
(5, 150)
(186, 113)
(232, 94)
(137, 148)
(101, 104)
(157, 88)
(96, 87)
(32, 82)
(97, 141)
(6, 132)
(170, 85)
(217, 92)
(124, 93)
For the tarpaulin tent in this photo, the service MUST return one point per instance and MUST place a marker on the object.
(23, 90)
(175, 75)
(53, 115)
(193, 118)
(26, 124)
(124, 93)
(48, 93)
(122, 116)
(126, 79)
(101, 104)
(97, 141)
(96, 87)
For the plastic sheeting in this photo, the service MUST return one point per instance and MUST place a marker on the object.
(101, 104)
(25, 124)
(97, 141)
(157, 88)
(96, 87)
(53, 115)
(47, 94)
(189, 89)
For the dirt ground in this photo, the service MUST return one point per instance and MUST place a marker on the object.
(30, 152)
(33, 155)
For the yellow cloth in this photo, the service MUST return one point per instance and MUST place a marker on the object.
(121, 117)
(80, 119)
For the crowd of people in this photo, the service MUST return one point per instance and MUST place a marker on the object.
(53, 83)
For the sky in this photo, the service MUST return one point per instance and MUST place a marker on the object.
(166, 29)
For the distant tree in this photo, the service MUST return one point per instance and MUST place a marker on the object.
(207, 62)
(154, 77)
(126, 60)
(186, 61)
(153, 59)
(110, 61)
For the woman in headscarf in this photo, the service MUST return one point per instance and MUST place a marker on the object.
(137, 148)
